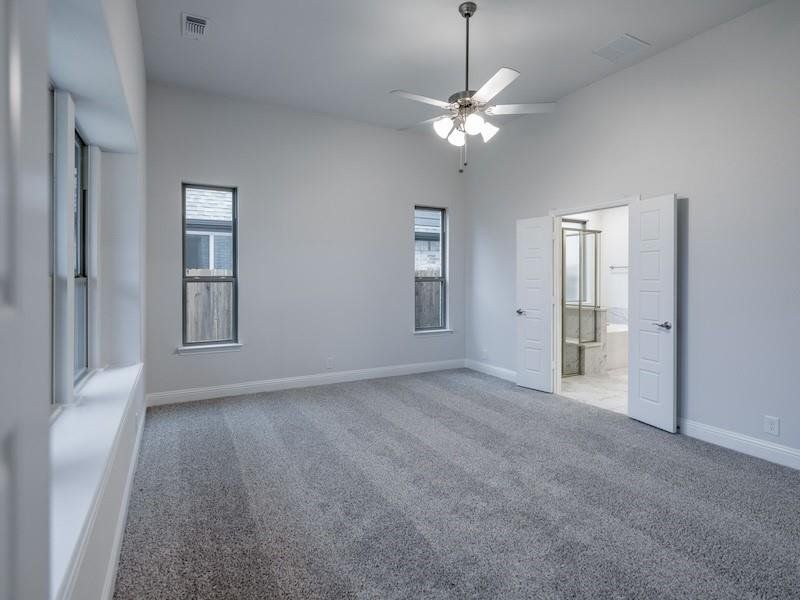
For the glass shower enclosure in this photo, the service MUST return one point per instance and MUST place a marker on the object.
(579, 293)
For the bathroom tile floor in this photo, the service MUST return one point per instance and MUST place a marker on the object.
(609, 391)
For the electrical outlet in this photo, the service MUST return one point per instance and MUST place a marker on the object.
(772, 425)
(329, 363)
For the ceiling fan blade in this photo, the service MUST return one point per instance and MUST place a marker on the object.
(418, 98)
(521, 109)
(496, 84)
(421, 123)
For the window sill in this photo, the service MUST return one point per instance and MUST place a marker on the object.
(208, 349)
(80, 463)
(434, 331)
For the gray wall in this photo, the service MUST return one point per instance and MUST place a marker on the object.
(715, 119)
(326, 245)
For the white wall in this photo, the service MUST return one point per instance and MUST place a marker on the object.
(122, 258)
(614, 252)
(715, 120)
(123, 211)
(325, 238)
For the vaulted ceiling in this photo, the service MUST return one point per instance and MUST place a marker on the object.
(342, 57)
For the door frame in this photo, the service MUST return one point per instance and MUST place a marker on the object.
(556, 214)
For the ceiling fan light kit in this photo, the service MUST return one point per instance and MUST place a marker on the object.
(443, 126)
(466, 109)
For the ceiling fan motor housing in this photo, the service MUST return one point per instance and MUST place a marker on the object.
(462, 98)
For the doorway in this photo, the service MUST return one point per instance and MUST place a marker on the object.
(593, 336)
(552, 331)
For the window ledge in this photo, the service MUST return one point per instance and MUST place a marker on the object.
(434, 331)
(80, 463)
(208, 348)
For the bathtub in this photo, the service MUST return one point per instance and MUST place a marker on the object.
(616, 345)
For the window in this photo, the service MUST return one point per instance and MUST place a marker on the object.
(430, 268)
(209, 265)
(81, 281)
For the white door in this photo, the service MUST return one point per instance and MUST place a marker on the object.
(652, 298)
(535, 303)
(24, 333)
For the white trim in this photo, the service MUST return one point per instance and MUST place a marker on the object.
(286, 383)
(208, 348)
(563, 212)
(63, 247)
(433, 331)
(122, 519)
(492, 370)
(93, 253)
(752, 446)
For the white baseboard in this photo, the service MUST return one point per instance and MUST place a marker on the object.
(777, 453)
(482, 367)
(122, 519)
(285, 383)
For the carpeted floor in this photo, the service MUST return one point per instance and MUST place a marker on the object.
(447, 485)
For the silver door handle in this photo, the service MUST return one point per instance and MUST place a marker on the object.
(665, 325)
(520, 311)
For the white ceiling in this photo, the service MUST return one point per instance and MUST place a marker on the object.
(343, 56)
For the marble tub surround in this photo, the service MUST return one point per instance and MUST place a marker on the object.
(617, 315)
(587, 355)
(616, 345)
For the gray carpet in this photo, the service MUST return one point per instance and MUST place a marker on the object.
(447, 485)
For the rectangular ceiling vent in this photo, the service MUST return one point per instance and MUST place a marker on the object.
(621, 48)
(194, 28)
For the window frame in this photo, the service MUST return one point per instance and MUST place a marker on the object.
(80, 272)
(443, 278)
(233, 279)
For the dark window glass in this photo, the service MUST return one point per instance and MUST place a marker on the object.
(81, 291)
(197, 248)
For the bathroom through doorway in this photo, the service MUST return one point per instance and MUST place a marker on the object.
(593, 348)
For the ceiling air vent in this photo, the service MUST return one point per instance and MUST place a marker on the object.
(194, 28)
(621, 48)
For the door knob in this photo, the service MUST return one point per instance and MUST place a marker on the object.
(665, 325)
(520, 311)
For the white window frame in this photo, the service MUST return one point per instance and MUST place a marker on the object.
(64, 382)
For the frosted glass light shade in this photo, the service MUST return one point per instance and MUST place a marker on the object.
(473, 124)
(457, 137)
(488, 131)
(443, 126)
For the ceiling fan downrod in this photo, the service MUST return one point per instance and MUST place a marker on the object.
(466, 10)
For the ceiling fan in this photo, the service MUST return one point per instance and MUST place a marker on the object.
(465, 109)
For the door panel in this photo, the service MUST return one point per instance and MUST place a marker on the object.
(24, 305)
(652, 327)
(535, 303)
